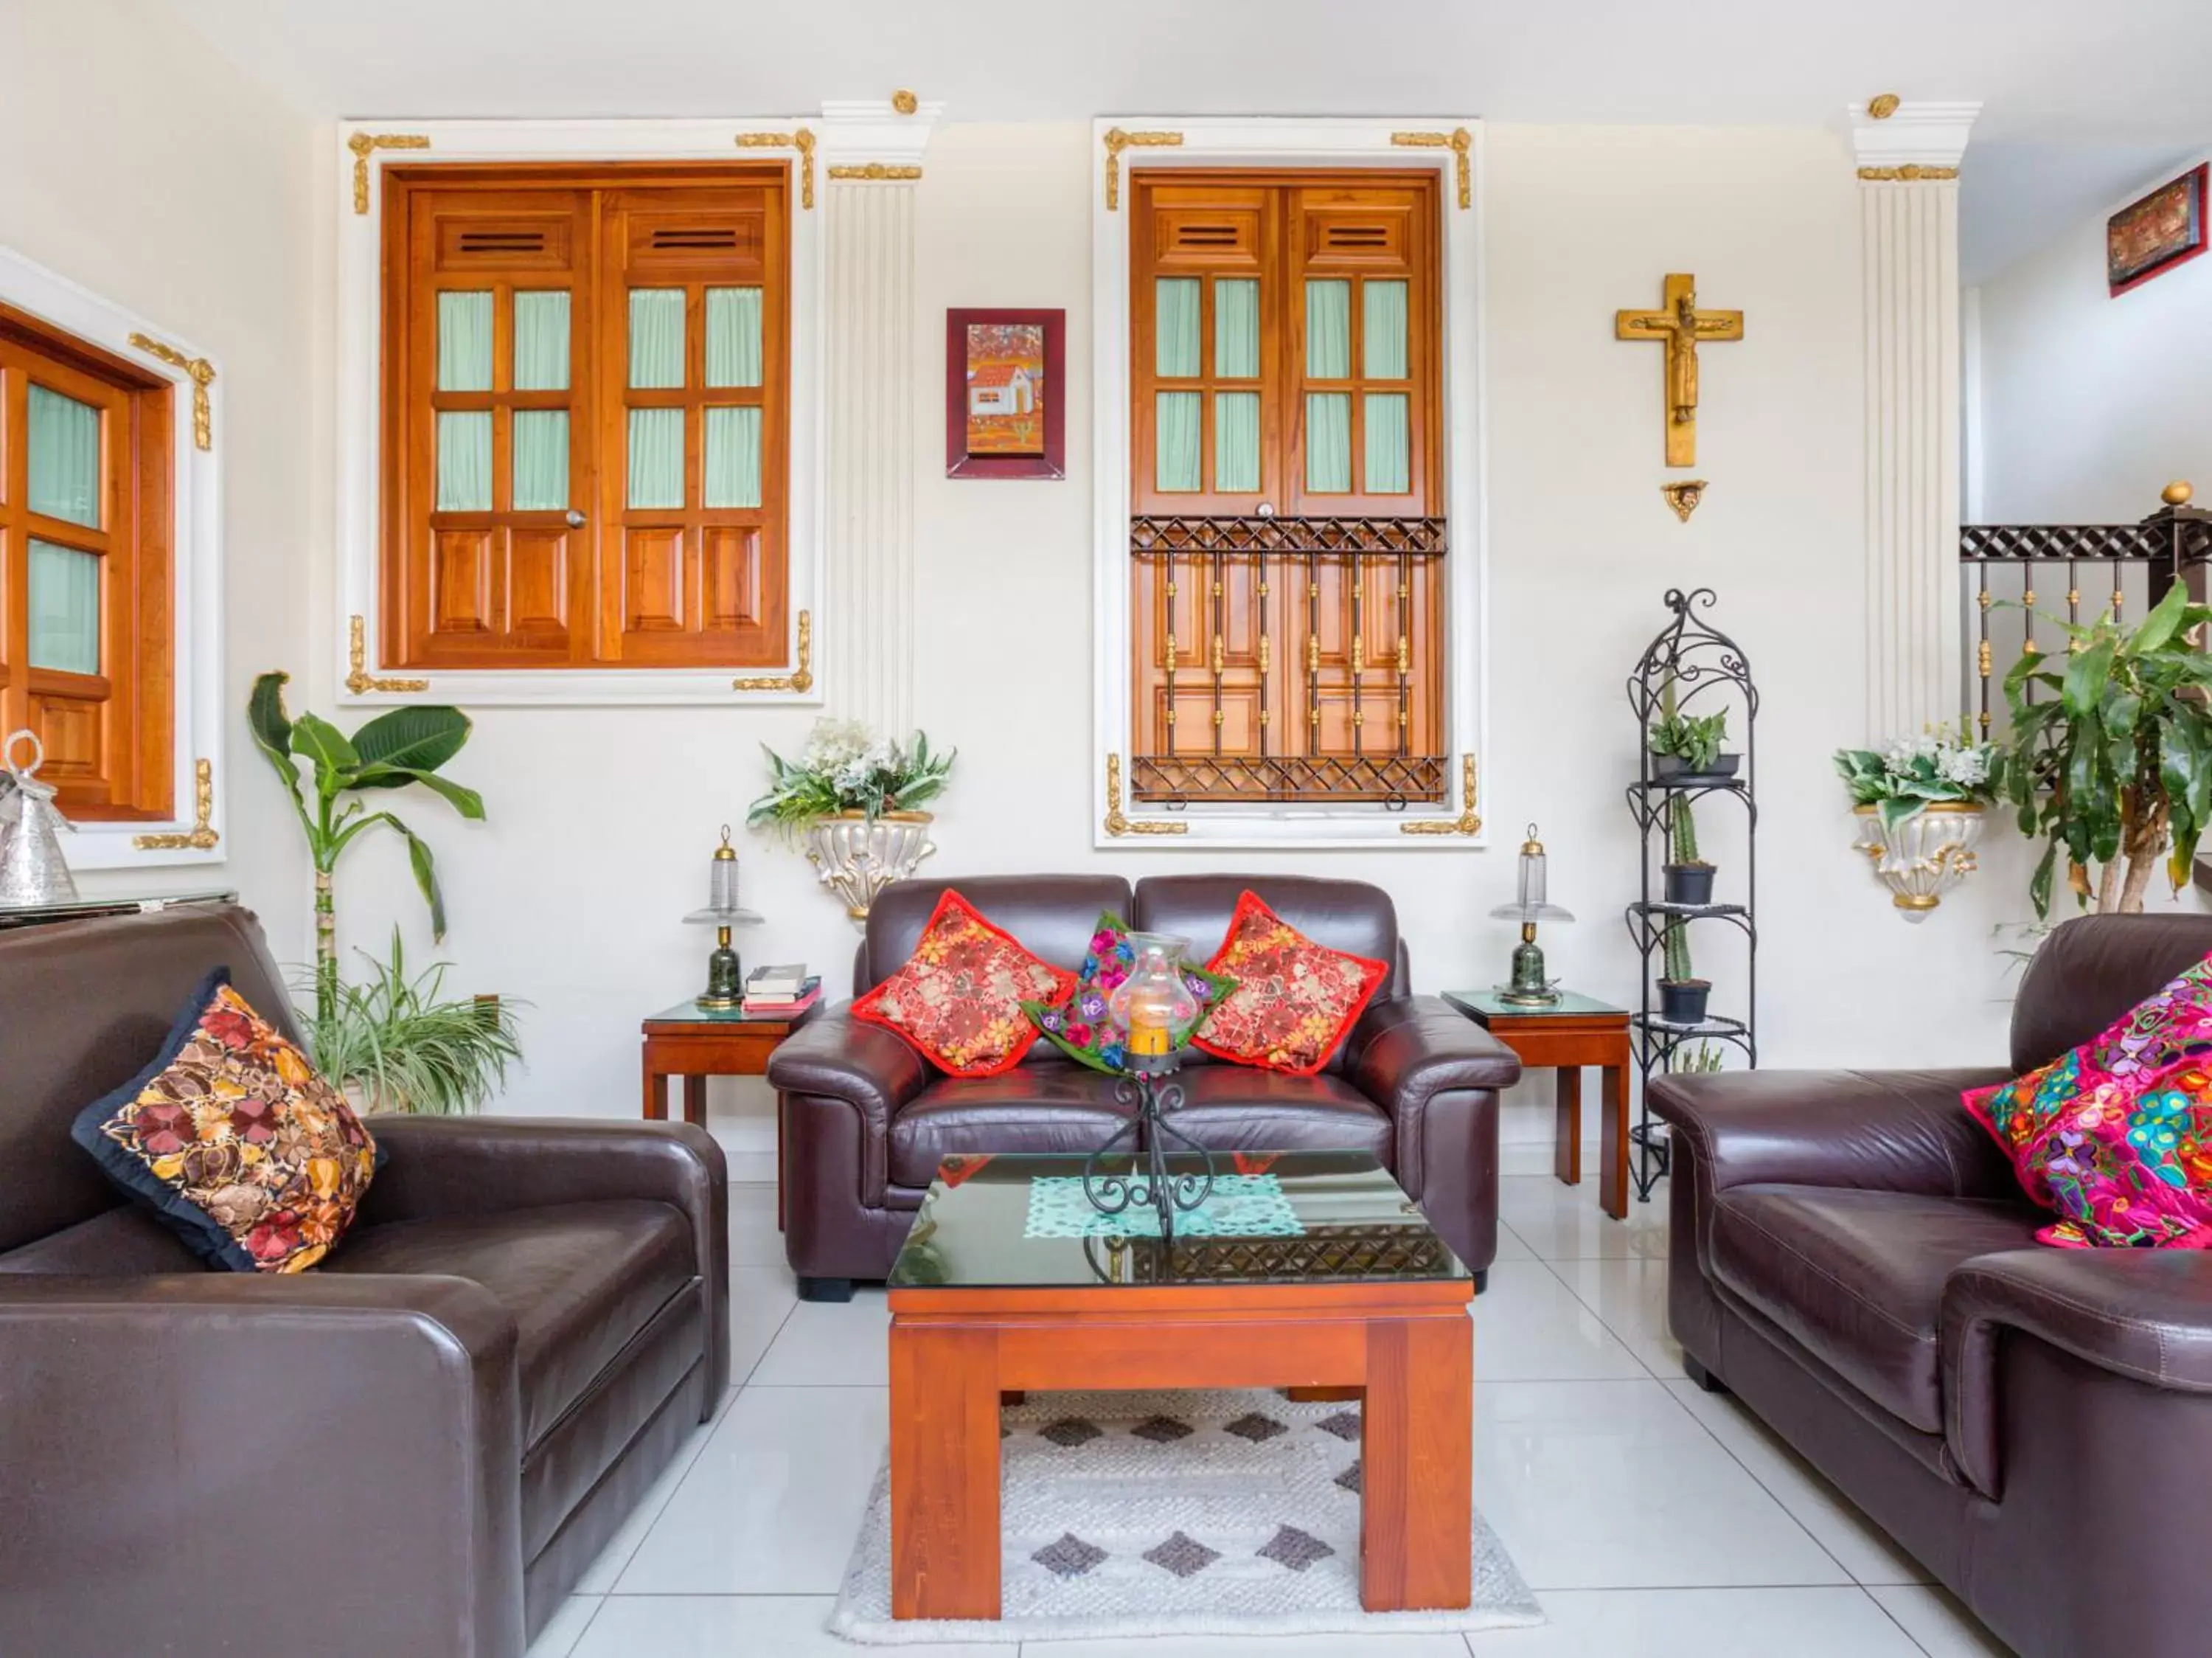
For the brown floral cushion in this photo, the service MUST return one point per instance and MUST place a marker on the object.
(1294, 999)
(234, 1140)
(957, 999)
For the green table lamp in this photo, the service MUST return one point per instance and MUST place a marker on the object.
(1529, 988)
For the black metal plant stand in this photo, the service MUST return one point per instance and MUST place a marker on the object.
(1709, 671)
(1147, 1179)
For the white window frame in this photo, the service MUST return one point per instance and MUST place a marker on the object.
(195, 575)
(1290, 143)
(359, 423)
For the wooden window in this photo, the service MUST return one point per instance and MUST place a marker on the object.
(86, 654)
(586, 417)
(1287, 538)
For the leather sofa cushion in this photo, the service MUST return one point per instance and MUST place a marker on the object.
(1049, 1105)
(580, 1280)
(1856, 1277)
(1241, 1108)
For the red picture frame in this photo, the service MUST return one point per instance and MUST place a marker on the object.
(2152, 235)
(1006, 387)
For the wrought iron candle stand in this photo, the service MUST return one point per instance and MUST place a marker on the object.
(1148, 1181)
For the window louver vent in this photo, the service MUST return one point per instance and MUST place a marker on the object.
(1360, 236)
(696, 239)
(502, 241)
(1206, 235)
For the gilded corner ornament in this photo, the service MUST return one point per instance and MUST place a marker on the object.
(1882, 105)
(875, 171)
(800, 139)
(1683, 496)
(1460, 141)
(362, 143)
(358, 679)
(201, 836)
(202, 373)
(1908, 174)
(1118, 822)
(1469, 820)
(904, 102)
(1117, 141)
(801, 679)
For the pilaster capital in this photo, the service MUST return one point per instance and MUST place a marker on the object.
(1914, 140)
(876, 136)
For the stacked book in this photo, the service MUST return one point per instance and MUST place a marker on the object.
(780, 992)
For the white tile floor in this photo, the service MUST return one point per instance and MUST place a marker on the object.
(1652, 1520)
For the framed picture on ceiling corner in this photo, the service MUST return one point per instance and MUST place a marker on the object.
(2149, 237)
(1004, 386)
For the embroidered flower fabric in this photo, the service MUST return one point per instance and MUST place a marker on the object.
(2116, 1135)
(1239, 1206)
(957, 999)
(235, 1140)
(1080, 1026)
(1294, 999)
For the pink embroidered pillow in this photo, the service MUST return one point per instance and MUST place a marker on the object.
(1294, 1000)
(957, 999)
(2116, 1135)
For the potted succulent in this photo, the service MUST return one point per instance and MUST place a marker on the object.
(1681, 993)
(851, 799)
(1685, 749)
(1919, 804)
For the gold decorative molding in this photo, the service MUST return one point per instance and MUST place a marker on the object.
(800, 139)
(1117, 141)
(1684, 496)
(362, 143)
(359, 680)
(1883, 105)
(1460, 141)
(800, 678)
(201, 837)
(1908, 174)
(1468, 822)
(1117, 821)
(877, 170)
(203, 375)
(905, 103)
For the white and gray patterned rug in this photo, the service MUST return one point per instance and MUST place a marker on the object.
(1230, 1513)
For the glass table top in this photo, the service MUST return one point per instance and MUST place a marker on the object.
(1018, 1220)
(1483, 1005)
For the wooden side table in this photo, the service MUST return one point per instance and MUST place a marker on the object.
(695, 1043)
(1571, 1032)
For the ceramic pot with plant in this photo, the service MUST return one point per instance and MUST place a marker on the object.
(1687, 748)
(1919, 806)
(1689, 878)
(851, 800)
(1681, 993)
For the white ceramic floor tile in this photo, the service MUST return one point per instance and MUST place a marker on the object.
(1806, 1623)
(831, 1344)
(1630, 1295)
(1612, 1485)
(1509, 1245)
(751, 1168)
(1563, 1223)
(559, 1637)
(773, 1504)
(755, 1240)
(599, 1577)
(1943, 1628)
(738, 1626)
(761, 1300)
(1860, 1546)
(1528, 1326)
(1255, 1646)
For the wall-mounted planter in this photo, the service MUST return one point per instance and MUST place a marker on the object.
(1925, 856)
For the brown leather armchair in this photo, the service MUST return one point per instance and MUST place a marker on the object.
(1853, 1256)
(425, 1441)
(865, 1120)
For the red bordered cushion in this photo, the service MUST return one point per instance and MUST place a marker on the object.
(957, 999)
(1294, 999)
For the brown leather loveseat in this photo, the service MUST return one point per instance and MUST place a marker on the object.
(417, 1447)
(865, 1120)
(1852, 1257)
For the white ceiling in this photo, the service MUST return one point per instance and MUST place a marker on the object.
(2083, 99)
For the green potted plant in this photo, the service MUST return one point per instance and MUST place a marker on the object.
(1686, 750)
(852, 799)
(1681, 993)
(1919, 806)
(2111, 762)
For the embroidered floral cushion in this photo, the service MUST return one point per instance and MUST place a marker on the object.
(2116, 1135)
(1294, 999)
(1078, 1026)
(957, 999)
(233, 1140)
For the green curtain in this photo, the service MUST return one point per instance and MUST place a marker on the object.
(733, 336)
(1328, 329)
(64, 444)
(1382, 348)
(540, 459)
(465, 340)
(1237, 327)
(541, 340)
(1237, 441)
(1328, 442)
(656, 458)
(463, 460)
(656, 337)
(64, 609)
(1389, 461)
(1174, 328)
(733, 457)
(1175, 458)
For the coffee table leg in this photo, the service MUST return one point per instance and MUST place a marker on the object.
(1417, 1465)
(1613, 1148)
(945, 1471)
(1567, 1128)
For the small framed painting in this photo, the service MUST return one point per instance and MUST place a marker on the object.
(1005, 414)
(2148, 238)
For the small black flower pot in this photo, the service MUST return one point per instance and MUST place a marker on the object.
(1672, 768)
(1682, 1001)
(1689, 883)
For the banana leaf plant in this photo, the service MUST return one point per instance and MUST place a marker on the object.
(2112, 758)
(399, 748)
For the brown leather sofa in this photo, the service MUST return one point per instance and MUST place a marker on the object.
(1852, 1257)
(865, 1120)
(417, 1447)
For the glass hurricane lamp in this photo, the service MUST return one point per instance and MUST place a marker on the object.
(726, 979)
(1152, 1002)
(1529, 987)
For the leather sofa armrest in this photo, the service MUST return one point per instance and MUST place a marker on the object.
(1403, 1053)
(840, 1057)
(137, 1407)
(2144, 1314)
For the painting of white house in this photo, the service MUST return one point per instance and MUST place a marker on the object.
(1005, 389)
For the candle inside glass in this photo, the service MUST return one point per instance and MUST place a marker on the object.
(1149, 1021)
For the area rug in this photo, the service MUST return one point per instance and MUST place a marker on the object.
(1228, 1513)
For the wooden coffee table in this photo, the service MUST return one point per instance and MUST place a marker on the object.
(1356, 1293)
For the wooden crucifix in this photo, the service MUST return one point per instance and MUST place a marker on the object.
(1684, 327)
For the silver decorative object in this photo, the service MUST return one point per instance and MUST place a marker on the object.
(32, 867)
(726, 976)
(1529, 988)
(1925, 856)
(856, 856)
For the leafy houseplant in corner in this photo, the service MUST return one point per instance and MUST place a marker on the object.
(1919, 805)
(399, 1044)
(1686, 750)
(851, 799)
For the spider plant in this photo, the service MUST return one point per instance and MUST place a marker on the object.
(403, 1045)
